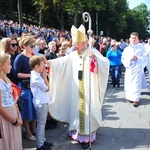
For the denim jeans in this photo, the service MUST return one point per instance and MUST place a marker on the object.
(41, 113)
(115, 75)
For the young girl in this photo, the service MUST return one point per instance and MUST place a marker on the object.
(10, 118)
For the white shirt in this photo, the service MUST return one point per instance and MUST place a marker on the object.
(38, 88)
(36, 52)
(147, 47)
(7, 98)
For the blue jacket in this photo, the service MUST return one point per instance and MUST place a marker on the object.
(114, 57)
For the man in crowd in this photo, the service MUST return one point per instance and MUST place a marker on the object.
(71, 100)
(50, 54)
(104, 47)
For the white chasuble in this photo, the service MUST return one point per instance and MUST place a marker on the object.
(70, 96)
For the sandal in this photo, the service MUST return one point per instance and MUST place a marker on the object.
(32, 138)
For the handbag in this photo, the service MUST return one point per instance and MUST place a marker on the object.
(16, 92)
(19, 103)
(26, 83)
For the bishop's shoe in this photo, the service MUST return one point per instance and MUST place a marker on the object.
(85, 145)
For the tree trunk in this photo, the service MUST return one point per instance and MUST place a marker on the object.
(41, 18)
(76, 15)
(62, 20)
(20, 12)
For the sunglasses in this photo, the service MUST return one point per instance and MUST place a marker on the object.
(14, 44)
(31, 46)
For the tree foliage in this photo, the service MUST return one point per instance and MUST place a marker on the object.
(138, 20)
(113, 17)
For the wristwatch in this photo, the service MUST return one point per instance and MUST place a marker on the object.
(15, 122)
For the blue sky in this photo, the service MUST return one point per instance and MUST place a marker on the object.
(134, 3)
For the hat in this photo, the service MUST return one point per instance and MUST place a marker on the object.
(78, 35)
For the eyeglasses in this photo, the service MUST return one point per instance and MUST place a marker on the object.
(31, 46)
(14, 44)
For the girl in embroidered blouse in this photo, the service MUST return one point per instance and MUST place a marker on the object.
(10, 118)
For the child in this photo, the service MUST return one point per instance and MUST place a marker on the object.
(41, 97)
(10, 118)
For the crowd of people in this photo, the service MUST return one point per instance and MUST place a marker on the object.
(51, 68)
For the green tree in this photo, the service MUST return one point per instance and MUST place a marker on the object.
(59, 9)
(138, 20)
(113, 17)
(10, 6)
(20, 12)
(41, 5)
(74, 9)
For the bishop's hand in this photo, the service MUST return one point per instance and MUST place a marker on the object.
(91, 54)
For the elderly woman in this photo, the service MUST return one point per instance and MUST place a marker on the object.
(22, 71)
(114, 56)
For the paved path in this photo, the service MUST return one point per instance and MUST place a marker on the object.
(124, 126)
